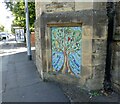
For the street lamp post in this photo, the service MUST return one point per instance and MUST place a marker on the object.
(29, 53)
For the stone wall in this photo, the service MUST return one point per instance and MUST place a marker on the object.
(95, 67)
(38, 54)
(54, 7)
(116, 51)
(94, 36)
(92, 63)
(94, 25)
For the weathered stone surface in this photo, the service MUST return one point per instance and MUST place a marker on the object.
(99, 46)
(57, 78)
(93, 20)
(83, 5)
(99, 5)
(99, 31)
(115, 72)
(116, 36)
(86, 59)
(87, 32)
(94, 84)
(117, 29)
(87, 46)
(86, 72)
(98, 59)
(118, 13)
(93, 77)
(59, 7)
(84, 17)
(116, 65)
(98, 71)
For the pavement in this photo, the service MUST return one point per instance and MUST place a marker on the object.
(20, 79)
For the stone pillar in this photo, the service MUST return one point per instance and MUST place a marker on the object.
(94, 52)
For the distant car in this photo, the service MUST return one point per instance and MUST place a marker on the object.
(11, 36)
(4, 36)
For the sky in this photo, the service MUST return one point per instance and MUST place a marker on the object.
(5, 17)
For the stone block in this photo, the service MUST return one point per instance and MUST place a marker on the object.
(98, 59)
(40, 53)
(98, 71)
(87, 32)
(118, 13)
(48, 59)
(116, 36)
(86, 72)
(39, 63)
(99, 46)
(83, 6)
(86, 46)
(40, 7)
(48, 42)
(118, 30)
(43, 44)
(82, 82)
(99, 17)
(116, 75)
(59, 7)
(116, 67)
(67, 79)
(44, 61)
(86, 59)
(99, 5)
(99, 31)
(94, 84)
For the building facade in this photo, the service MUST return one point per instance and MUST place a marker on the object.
(71, 40)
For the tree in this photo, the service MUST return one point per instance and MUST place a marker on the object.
(66, 49)
(1, 28)
(18, 10)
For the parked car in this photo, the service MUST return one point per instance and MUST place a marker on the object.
(4, 36)
(11, 36)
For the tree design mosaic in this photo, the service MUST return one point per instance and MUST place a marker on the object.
(66, 49)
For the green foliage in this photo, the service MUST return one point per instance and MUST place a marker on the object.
(18, 10)
(12, 29)
(1, 28)
(66, 37)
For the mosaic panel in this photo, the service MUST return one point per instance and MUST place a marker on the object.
(66, 49)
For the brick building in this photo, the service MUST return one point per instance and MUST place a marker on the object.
(72, 46)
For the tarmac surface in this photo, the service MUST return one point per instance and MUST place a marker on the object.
(20, 79)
